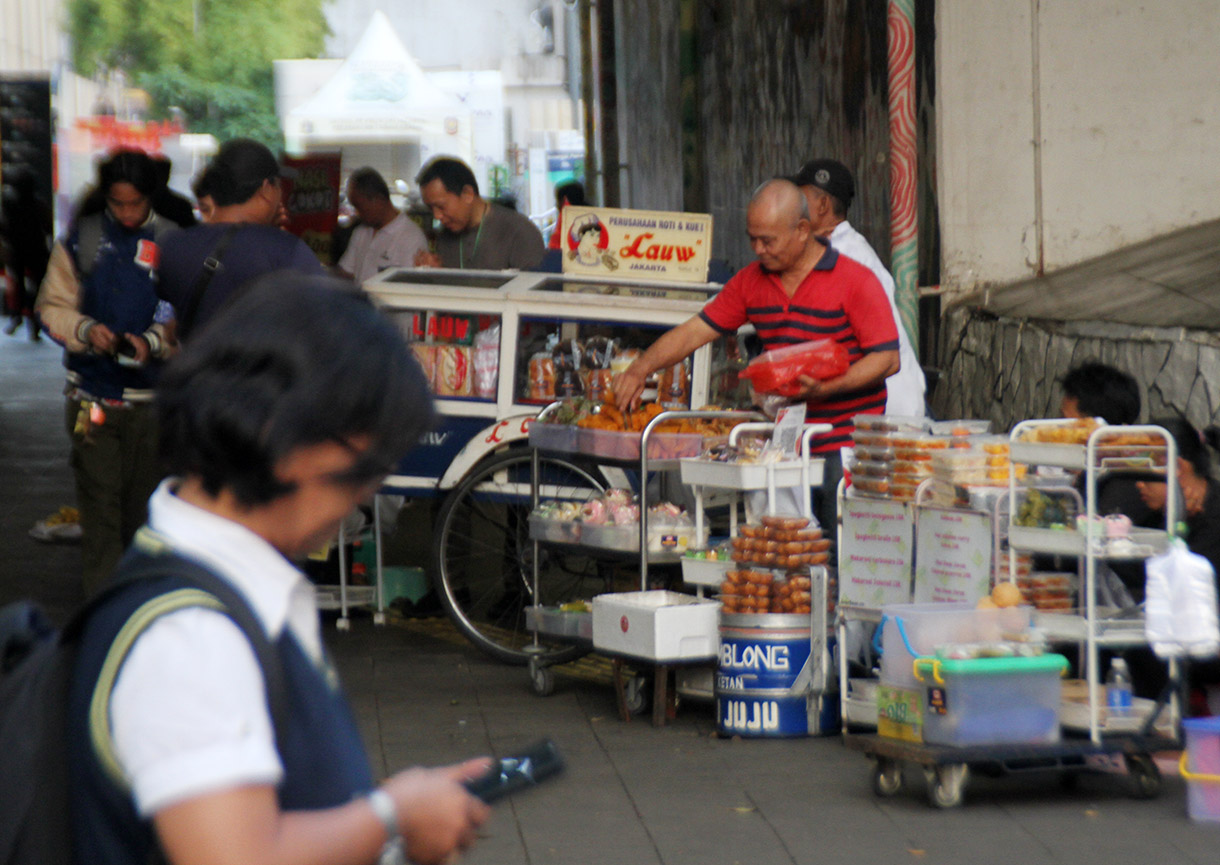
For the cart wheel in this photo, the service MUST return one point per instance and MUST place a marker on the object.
(637, 690)
(483, 556)
(1145, 776)
(541, 679)
(946, 784)
(887, 777)
(343, 624)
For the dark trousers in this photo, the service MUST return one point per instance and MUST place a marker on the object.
(116, 468)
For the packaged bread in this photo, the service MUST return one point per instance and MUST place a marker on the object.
(542, 377)
(454, 371)
(425, 353)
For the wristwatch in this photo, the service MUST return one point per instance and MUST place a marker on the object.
(393, 852)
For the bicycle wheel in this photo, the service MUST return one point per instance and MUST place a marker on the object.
(484, 556)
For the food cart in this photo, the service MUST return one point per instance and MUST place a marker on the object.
(498, 348)
(963, 679)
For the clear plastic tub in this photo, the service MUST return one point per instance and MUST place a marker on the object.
(928, 626)
(889, 423)
(990, 701)
(626, 445)
(553, 437)
(555, 531)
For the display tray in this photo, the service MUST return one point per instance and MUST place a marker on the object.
(1074, 715)
(553, 437)
(555, 622)
(664, 544)
(1048, 454)
(747, 476)
(330, 598)
(1069, 542)
(701, 572)
(626, 445)
(556, 531)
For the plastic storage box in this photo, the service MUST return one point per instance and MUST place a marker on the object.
(657, 625)
(927, 626)
(990, 701)
(612, 444)
(555, 622)
(558, 531)
(1201, 768)
(554, 437)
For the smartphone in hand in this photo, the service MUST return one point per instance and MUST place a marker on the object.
(527, 768)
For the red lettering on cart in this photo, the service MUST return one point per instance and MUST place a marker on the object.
(446, 327)
(525, 425)
(493, 437)
(656, 252)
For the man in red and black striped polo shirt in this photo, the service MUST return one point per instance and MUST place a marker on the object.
(799, 289)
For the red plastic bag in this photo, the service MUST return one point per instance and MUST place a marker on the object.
(779, 371)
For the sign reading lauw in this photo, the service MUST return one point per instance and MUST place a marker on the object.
(636, 244)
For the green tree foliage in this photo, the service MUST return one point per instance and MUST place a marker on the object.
(211, 58)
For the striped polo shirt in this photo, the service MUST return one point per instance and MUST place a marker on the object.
(840, 299)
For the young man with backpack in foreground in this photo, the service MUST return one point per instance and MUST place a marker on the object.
(192, 730)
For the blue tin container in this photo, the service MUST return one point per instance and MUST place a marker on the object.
(763, 676)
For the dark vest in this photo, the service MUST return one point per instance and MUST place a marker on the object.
(325, 764)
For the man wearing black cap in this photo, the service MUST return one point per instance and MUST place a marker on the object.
(205, 264)
(829, 188)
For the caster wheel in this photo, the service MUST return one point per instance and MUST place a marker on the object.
(638, 689)
(946, 784)
(343, 624)
(542, 680)
(1145, 776)
(887, 777)
(378, 619)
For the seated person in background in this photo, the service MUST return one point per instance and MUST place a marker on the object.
(1198, 509)
(1097, 390)
(1199, 505)
(572, 192)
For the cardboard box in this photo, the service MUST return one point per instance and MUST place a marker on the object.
(656, 625)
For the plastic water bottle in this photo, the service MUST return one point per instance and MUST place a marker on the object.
(1118, 689)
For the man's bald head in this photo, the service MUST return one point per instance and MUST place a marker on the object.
(779, 198)
(777, 221)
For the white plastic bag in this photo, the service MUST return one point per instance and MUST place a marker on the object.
(1180, 605)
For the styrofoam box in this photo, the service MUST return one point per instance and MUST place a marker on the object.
(656, 625)
(747, 476)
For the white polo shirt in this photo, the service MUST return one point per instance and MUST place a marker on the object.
(905, 388)
(371, 251)
(189, 712)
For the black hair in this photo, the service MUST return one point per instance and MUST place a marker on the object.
(593, 224)
(1192, 445)
(368, 182)
(454, 174)
(293, 361)
(202, 184)
(121, 166)
(164, 167)
(1103, 391)
(572, 192)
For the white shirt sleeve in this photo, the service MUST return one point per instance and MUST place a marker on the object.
(189, 712)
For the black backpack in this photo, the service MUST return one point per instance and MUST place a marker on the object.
(36, 665)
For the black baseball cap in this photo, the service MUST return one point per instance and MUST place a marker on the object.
(239, 168)
(830, 176)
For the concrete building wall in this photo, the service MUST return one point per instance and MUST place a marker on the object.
(1068, 130)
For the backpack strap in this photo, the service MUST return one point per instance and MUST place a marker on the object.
(88, 241)
(211, 264)
(199, 587)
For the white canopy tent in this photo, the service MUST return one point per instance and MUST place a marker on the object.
(379, 109)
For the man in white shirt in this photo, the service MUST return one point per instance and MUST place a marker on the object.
(829, 188)
(385, 237)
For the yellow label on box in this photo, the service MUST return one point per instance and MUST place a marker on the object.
(900, 713)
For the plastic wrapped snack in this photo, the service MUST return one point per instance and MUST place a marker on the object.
(779, 371)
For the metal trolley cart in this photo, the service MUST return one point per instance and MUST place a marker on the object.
(604, 547)
(485, 338)
(1088, 743)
